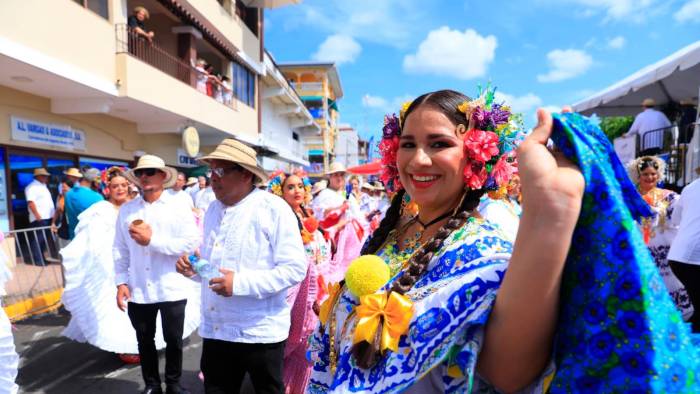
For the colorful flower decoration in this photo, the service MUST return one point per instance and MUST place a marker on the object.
(492, 134)
(277, 178)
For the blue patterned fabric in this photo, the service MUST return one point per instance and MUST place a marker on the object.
(619, 330)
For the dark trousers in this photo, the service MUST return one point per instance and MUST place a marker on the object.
(40, 241)
(689, 275)
(224, 365)
(143, 318)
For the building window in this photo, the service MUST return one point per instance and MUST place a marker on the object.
(295, 136)
(243, 84)
(100, 7)
(248, 15)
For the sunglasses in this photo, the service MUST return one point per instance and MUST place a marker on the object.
(145, 171)
(221, 171)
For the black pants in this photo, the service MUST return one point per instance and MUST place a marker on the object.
(143, 318)
(224, 365)
(689, 275)
(40, 241)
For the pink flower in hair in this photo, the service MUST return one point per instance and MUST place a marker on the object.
(481, 145)
(503, 170)
(475, 175)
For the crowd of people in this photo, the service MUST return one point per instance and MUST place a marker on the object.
(464, 244)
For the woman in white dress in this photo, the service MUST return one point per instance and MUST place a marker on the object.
(90, 292)
(8, 356)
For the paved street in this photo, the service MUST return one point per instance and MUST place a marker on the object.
(52, 364)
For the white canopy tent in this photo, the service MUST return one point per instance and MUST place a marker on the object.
(673, 79)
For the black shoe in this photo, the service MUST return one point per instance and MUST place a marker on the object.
(153, 390)
(175, 390)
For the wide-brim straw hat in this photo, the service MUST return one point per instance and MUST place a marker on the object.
(648, 102)
(336, 167)
(239, 153)
(367, 186)
(73, 172)
(191, 181)
(41, 171)
(378, 186)
(318, 186)
(152, 161)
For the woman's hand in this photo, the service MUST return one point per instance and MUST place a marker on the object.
(551, 184)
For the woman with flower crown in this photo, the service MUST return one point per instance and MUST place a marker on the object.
(646, 172)
(89, 290)
(437, 324)
(295, 189)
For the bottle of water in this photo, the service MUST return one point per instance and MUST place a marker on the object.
(203, 268)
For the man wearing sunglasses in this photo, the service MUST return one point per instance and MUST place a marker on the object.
(252, 237)
(153, 230)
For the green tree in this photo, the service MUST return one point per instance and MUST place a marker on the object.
(615, 126)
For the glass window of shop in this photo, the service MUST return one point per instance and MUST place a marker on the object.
(100, 164)
(4, 197)
(100, 7)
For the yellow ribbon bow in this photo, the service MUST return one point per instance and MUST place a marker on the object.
(394, 309)
(333, 290)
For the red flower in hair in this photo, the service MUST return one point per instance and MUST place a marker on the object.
(475, 175)
(481, 145)
(388, 148)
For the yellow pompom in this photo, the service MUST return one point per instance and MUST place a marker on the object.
(366, 274)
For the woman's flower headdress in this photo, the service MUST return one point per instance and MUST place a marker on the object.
(634, 167)
(491, 136)
(277, 180)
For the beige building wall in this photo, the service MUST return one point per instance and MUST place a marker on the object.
(63, 30)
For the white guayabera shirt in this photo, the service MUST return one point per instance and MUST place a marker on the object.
(258, 239)
(150, 270)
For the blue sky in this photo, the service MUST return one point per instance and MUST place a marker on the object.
(540, 53)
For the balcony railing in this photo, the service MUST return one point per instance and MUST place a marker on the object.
(308, 86)
(128, 41)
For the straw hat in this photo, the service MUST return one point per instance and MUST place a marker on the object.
(367, 185)
(151, 161)
(41, 171)
(239, 153)
(191, 181)
(378, 186)
(73, 172)
(648, 102)
(336, 167)
(318, 186)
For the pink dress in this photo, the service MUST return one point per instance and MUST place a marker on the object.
(297, 369)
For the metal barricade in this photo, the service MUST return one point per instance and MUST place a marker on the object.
(37, 273)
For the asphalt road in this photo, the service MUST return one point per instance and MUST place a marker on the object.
(53, 364)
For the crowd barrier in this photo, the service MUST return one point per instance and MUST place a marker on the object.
(37, 273)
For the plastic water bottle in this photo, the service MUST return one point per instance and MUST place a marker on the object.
(203, 268)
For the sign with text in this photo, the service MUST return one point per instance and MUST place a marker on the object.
(184, 159)
(55, 135)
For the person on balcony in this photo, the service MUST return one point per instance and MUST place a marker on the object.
(202, 76)
(649, 120)
(227, 90)
(137, 25)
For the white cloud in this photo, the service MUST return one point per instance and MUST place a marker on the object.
(339, 49)
(387, 22)
(463, 55)
(566, 64)
(617, 42)
(524, 104)
(619, 10)
(690, 12)
(370, 101)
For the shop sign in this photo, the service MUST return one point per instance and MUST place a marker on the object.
(190, 141)
(184, 159)
(51, 134)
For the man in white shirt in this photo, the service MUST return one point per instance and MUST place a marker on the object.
(649, 125)
(252, 238)
(41, 209)
(333, 197)
(152, 231)
(684, 256)
(178, 192)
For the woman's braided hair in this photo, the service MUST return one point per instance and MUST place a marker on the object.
(445, 101)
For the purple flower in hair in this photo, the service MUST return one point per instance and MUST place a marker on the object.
(479, 116)
(391, 126)
(499, 115)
